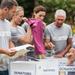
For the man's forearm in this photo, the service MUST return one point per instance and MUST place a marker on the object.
(66, 49)
(3, 51)
(11, 44)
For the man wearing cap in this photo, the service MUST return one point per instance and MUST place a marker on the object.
(58, 34)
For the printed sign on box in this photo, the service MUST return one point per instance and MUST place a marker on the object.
(22, 68)
(64, 69)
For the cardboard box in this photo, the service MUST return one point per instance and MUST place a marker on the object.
(41, 67)
(49, 66)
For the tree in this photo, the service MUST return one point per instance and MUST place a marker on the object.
(53, 5)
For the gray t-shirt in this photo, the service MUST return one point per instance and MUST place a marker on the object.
(16, 33)
(25, 25)
(58, 36)
(5, 36)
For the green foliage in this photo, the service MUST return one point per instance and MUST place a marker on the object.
(53, 5)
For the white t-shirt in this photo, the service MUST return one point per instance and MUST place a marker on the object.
(58, 36)
(5, 36)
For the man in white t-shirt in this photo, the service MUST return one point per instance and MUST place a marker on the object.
(60, 34)
(5, 35)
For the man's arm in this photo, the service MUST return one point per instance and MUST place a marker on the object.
(62, 53)
(11, 44)
(69, 44)
(48, 44)
(10, 52)
(3, 51)
(7, 52)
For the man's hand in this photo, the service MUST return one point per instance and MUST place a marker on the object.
(49, 45)
(11, 52)
(58, 56)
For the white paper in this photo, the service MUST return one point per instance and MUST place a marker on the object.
(22, 47)
(21, 51)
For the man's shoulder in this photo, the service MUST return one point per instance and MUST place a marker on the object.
(67, 25)
(50, 25)
(7, 21)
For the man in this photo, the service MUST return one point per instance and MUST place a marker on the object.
(5, 42)
(11, 11)
(59, 35)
